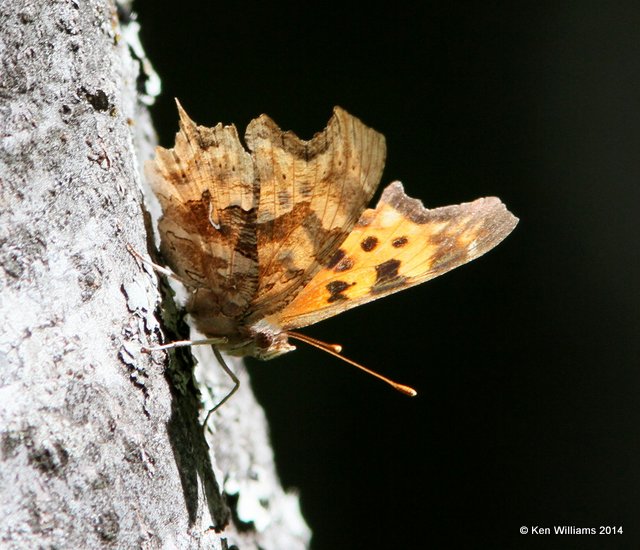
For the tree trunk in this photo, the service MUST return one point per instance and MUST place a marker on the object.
(102, 445)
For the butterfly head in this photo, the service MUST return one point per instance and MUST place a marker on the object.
(264, 341)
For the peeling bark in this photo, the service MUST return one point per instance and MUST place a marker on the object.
(101, 445)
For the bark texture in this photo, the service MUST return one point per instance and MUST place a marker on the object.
(101, 445)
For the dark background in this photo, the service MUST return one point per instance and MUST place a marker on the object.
(526, 360)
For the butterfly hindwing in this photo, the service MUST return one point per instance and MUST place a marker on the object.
(206, 187)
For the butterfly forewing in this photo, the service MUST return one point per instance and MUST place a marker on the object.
(311, 195)
(397, 245)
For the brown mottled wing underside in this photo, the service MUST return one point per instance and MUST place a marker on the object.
(397, 245)
(311, 195)
(206, 186)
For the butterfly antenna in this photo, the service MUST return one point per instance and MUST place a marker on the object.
(335, 349)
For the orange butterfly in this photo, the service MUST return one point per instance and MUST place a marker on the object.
(278, 237)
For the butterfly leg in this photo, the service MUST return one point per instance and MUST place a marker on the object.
(213, 342)
(155, 267)
(231, 375)
(184, 343)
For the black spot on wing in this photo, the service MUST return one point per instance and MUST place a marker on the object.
(333, 261)
(387, 271)
(344, 265)
(369, 243)
(387, 276)
(336, 289)
(399, 242)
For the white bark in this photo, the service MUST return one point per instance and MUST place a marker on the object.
(100, 444)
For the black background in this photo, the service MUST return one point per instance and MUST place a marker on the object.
(526, 360)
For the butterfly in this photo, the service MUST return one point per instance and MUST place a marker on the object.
(277, 236)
